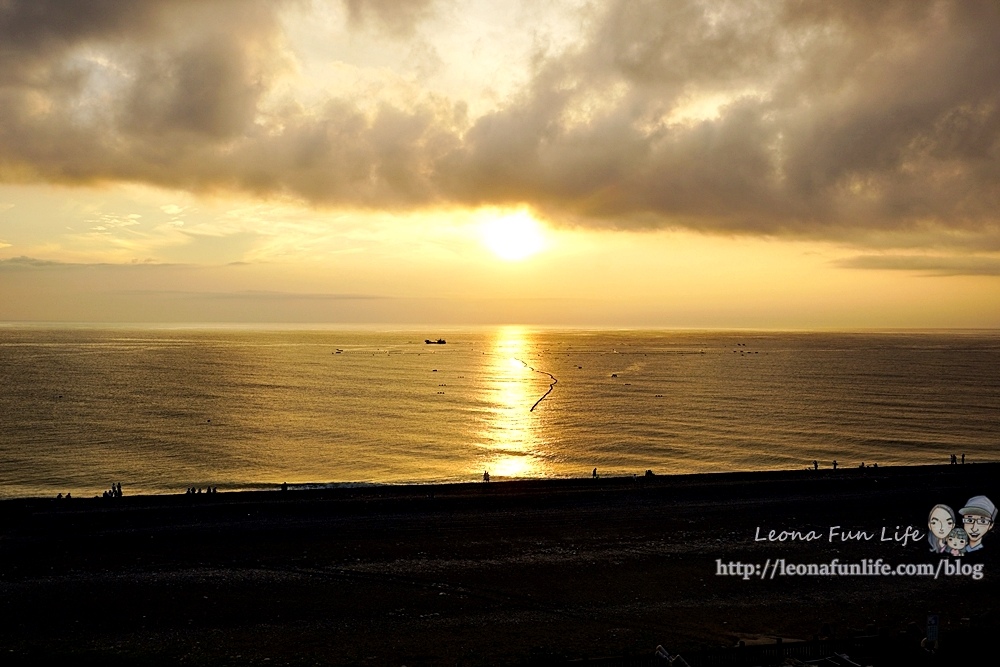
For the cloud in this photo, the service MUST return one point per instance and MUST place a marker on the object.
(27, 263)
(34, 33)
(23, 262)
(210, 89)
(861, 116)
(396, 17)
(252, 295)
(841, 121)
(939, 266)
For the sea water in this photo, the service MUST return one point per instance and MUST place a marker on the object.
(161, 409)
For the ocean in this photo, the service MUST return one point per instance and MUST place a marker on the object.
(164, 409)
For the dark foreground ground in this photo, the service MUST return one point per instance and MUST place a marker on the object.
(500, 573)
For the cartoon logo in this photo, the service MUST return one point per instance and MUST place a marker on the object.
(945, 537)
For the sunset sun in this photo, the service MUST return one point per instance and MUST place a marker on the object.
(513, 237)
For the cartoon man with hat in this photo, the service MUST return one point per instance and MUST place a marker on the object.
(978, 516)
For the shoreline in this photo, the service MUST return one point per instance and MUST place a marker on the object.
(332, 490)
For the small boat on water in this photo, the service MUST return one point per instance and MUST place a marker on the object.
(439, 341)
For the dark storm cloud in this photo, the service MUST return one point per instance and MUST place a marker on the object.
(847, 120)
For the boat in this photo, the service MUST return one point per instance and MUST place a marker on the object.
(439, 341)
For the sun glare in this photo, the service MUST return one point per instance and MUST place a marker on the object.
(513, 237)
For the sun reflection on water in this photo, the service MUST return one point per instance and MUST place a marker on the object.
(509, 437)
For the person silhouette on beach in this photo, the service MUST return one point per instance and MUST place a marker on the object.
(835, 464)
(595, 473)
(815, 464)
(978, 517)
(940, 523)
(486, 475)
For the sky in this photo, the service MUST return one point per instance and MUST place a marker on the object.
(669, 163)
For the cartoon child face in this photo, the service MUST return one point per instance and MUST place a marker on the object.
(957, 539)
(941, 521)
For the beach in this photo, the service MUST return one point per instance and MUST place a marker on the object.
(484, 573)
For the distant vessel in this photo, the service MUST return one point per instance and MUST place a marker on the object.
(439, 341)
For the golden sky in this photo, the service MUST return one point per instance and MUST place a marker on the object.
(568, 163)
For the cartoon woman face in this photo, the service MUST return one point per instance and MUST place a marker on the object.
(941, 521)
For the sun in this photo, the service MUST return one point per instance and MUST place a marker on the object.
(513, 237)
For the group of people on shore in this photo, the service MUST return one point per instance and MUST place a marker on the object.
(863, 465)
(195, 490)
(594, 474)
(955, 460)
(114, 492)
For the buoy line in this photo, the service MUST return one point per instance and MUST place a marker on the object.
(551, 385)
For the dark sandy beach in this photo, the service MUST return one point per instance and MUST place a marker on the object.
(499, 573)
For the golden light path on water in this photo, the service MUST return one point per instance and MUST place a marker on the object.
(510, 433)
